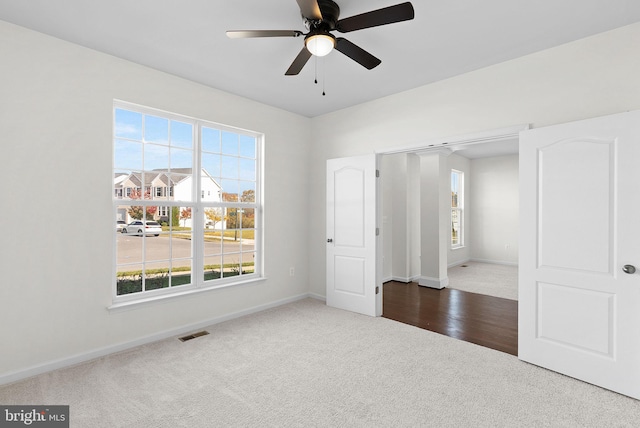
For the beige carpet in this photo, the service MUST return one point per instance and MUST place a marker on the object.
(485, 278)
(307, 365)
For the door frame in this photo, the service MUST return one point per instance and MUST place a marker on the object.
(438, 144)
(454, 141)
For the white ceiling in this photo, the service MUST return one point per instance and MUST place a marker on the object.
(447, 38)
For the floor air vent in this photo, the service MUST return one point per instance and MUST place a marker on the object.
(193, 336)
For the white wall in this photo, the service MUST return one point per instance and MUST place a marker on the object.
(56, 256)
(592, 77)
(494, 204)
(394, 215)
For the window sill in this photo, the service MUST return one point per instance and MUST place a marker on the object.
(150, 301)
(460, 247)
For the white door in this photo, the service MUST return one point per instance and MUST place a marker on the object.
(579, 297)
(353, 271)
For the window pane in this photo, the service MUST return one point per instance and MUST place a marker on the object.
(248, 263)
(186, 221)
(229, 190)
(181, 251)
(128, 124)
(455, 227)
(129, 261)
(247, 216)
(247, 169)
(181, 159)
(181, 187)
(214, 221)
(454, 189)
(120, 182)
(229, 166)
(128, 281)
(248, 192)
(156, 157)
(212, 268)
(181, 134)
(210, 140)
(128, 155)
(158, 249)
(247, 146)
(230, 144)
(172, 219)
(179, 277)
(156, 275)
(156, 130)
(211, 164)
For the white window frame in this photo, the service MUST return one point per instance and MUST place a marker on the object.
(458, 210)
(198, 283)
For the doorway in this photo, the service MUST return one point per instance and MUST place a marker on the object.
(482, 271)
(489, 223)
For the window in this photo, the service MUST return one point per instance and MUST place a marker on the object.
(457, 205)
(182, 240)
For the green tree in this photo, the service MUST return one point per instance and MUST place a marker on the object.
(175, 216)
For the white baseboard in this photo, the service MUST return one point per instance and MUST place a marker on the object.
(439, 283)
(495, 262)
(402, 279)
(318, 297)
(458, 263)
(101, 352)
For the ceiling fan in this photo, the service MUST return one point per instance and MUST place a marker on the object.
(320, 18)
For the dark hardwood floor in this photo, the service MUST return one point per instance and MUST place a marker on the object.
(484, 320)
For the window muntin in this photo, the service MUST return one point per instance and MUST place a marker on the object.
(457, 202)
(208, 235)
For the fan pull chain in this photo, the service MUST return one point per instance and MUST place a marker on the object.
(315, 80)
(315, 63)
(324, 76)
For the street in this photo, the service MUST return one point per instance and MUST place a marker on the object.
(160, 249)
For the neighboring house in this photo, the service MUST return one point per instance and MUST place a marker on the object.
(165, 185)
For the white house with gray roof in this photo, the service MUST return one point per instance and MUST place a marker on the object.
(164, 185)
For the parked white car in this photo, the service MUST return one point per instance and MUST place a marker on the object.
(137, 227)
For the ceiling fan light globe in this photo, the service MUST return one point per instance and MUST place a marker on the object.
(320, 44)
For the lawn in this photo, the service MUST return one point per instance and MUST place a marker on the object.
(131, 282)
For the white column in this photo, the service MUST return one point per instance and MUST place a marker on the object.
(435, 194)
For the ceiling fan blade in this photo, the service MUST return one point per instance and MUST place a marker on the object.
(244, 34)
(310, 9)
(356, 53)
(388, 15)
(299, 62)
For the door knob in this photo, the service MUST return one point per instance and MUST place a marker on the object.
(630, 269)
(329, 240)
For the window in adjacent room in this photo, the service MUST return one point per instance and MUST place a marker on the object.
(457, 205)
(197, 222)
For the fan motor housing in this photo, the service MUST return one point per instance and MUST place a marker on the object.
(330, 12)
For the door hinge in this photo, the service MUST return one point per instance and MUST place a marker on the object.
(377, 173)
(377, 231)
(377, 289)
